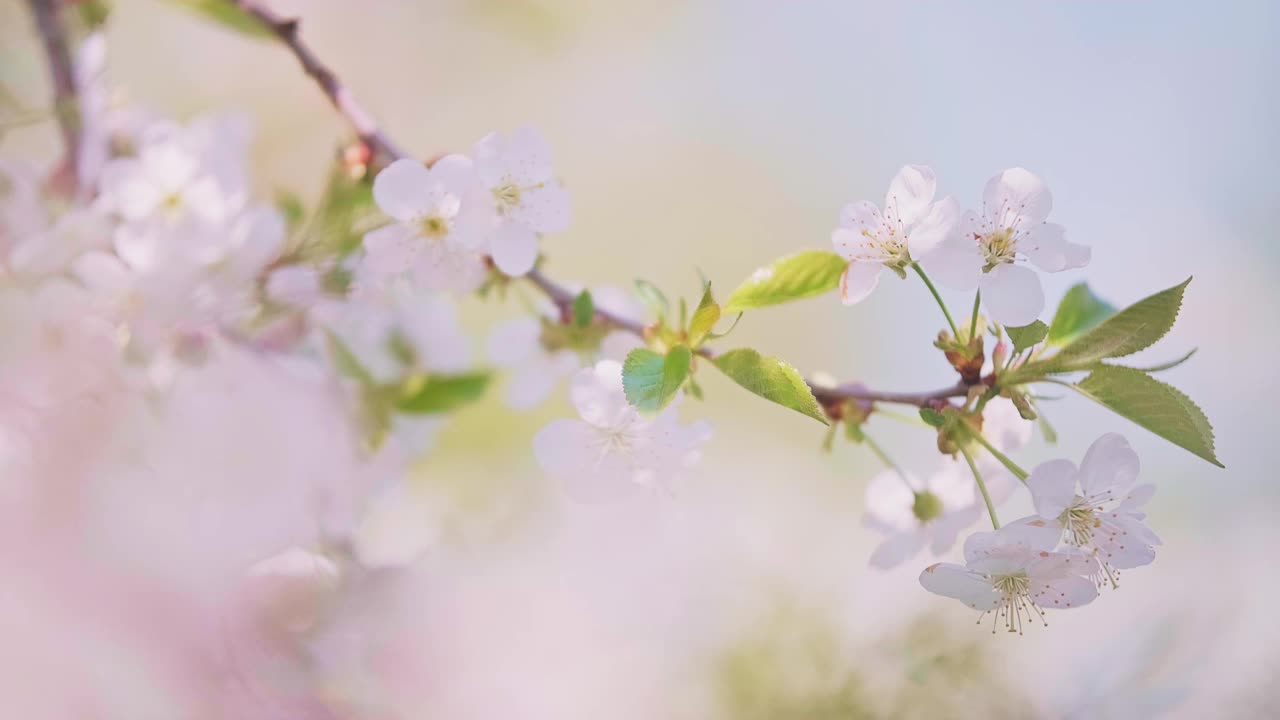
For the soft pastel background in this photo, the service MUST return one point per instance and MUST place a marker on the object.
(716, 136)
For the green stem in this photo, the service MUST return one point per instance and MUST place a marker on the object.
(929, 284)
(982, 486)
(973, 319)
(884, 458)
(1012, 466)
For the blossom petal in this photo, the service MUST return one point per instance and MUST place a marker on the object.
(514, 249)
(1110, 466)
(889, 500)
(1016, 196)
(544, 207)
(1077, 256)
(390, 249)
(125, 188)
(403, 189)
(1137, 498)
(935, 228)
(858, 281)
(1053, 487)
(953, 581)
(1013, 295)
(1045, 245)
(897, 549)
(572, 451)
(532, 384)
(910, 193)
(1064, 593)
(597, 394)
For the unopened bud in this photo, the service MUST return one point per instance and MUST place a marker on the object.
(1000, 354)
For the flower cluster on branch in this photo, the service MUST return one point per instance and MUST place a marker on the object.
(160, 291)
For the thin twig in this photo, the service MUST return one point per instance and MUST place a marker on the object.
(383, 148)
(66, 104)
(381, 145)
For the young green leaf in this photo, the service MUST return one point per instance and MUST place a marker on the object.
(1160, 408)
(441, 393)
(653, 297)
(1161, 367)
(584, 309)
(1128, 331)
(1079, 311)
(651, 379)
(346, 361)
(291, 207)
(794, 277)
(771, 379)
(932, 417)
(1027, 335)
(704, 318)
(334, 228)
(226, 14)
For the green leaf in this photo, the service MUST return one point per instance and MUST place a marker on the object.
(704, 318)
(1027, 335)
(1160, 408)
(226, 14)
(291, 207)
(584, 309)
(1161, 367)
(771, 379)
(794, 277)
(346, 205)
(1079, 311)
(651, 379)
(1128, 331)
(345, 361)
(654, 298)
(437, 393)
(932, 417)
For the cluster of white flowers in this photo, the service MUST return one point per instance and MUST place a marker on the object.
(448, 218)
(989, 251)
(914, 513)
(1088, 526)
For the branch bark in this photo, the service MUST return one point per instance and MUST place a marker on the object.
(386, 150)
(382, 147)
(66, 106)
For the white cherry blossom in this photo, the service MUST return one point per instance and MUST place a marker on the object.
(527, 197)
(914, 513)
(614, 449)
(1097, 507)
(1014, 573)
(179, 174)
(908, 229)
(991, 251)
(441, 223)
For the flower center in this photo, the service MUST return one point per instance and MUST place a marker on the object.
(434, 227)
(927, 506)
(999, 247)
(1015, 601)
(508, 196)
(891, 246)
(172, 202)
(1079, 521)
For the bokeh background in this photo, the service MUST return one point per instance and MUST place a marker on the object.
(719, 135)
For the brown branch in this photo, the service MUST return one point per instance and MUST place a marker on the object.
(286, 29)
(381, 145)
(66, 104)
